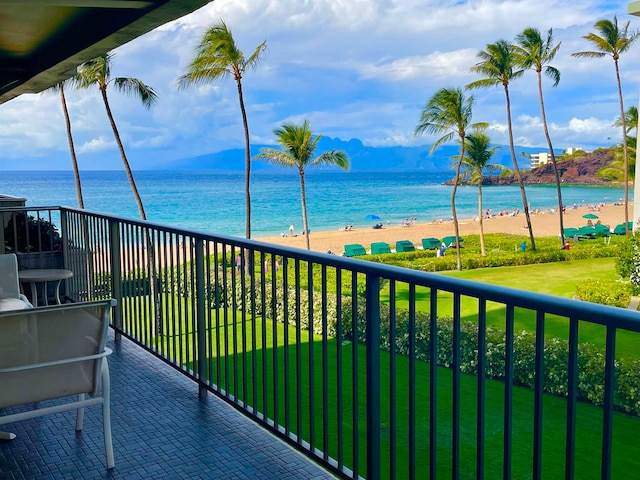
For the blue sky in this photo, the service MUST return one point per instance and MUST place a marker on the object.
(356, 69)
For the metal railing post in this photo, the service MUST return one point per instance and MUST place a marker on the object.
(201, 331)
(116, 274)
(373, 375)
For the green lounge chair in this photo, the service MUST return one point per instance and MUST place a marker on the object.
(602, 230)
(430, 243)
(619, 230)
(450, 242)
(405, 246)
(354, 249)
(378, 248)
(571, 232)
(587, 232)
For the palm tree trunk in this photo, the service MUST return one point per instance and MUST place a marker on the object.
(247, 161)
(72, 150)
(483, 250)
(525, 204)
(153, 291)
(456, 227)
(303, 196)
(76, 176)
(625, 152)
(553, 159)
(125, 162)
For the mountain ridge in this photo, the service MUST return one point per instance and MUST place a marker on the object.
(362, 157)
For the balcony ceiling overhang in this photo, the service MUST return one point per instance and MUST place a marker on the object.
(43, 41)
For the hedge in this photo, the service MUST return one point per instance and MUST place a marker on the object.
(556, 351)
(614, 293)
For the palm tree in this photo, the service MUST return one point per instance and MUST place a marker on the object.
(98, 72)
(298, 146)
(59, 87)
(630, 119)
(498, 67)
(478, 153)
(448, 112)
(534, 52)
(218, 56)
(613, 41)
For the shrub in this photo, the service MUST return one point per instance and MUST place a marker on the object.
(556, 356)
(607, 292)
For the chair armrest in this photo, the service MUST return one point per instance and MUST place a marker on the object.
(107, 351)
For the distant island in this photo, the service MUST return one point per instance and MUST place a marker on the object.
(363, 157)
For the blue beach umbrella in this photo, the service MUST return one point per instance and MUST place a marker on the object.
(372, 217)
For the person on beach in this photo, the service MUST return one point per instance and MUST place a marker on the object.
(291, 229)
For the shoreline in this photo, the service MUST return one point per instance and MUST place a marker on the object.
(544, 224)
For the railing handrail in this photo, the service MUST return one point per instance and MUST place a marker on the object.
(595, 313)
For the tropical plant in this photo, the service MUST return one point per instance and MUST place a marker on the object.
(59, 87)
(449, 112)
(478, 154)
(615, 169)
(217, 57)
(630, 119)
(613, 40)
(298, 146)
(498, 67)
(534, 52)
(97, 72)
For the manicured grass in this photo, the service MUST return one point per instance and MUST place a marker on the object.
(288, 394)
(558, 279)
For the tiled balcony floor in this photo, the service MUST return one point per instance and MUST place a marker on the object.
(161, 430)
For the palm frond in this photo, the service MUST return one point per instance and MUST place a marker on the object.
(136, 88)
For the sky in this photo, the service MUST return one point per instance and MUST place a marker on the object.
(355, 68)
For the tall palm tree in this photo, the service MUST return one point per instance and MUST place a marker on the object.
(498, 67)
(534, 52)
(448, 112)
(613, 41)
(217, 57)
(97, 72)
(59, 87)
(298, 146)
(478, 154)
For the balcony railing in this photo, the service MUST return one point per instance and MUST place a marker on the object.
(373, 371)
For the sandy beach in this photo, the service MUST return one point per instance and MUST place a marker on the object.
(544, 224)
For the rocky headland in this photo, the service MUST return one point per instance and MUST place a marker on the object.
(581, 170)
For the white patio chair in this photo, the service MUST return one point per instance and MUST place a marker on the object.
(52, 353)
(10, 296)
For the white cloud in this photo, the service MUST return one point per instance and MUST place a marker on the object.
(99, 144)
(357, 69)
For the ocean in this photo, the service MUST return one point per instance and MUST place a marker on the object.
(213, 201)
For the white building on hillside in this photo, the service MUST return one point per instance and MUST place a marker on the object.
(542, 158)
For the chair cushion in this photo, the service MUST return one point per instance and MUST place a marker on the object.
(12, 304)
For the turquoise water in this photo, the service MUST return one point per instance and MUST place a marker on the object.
(214, 201)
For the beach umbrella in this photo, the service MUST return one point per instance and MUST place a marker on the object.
(590, 216)
(372, 217)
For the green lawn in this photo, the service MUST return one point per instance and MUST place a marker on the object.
(303, 365)
(297, 398)
(558, 279)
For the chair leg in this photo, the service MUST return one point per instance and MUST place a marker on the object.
(80, 414)
(106, 414)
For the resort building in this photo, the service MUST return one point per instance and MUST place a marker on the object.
(542, 158)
